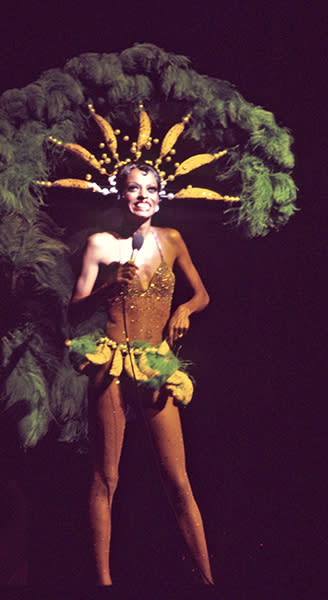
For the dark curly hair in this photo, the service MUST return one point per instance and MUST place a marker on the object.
(126, 170)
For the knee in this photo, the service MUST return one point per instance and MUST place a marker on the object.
(111, 480)
(105, 483)
(179, 489)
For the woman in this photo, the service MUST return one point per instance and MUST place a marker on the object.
(138, 297)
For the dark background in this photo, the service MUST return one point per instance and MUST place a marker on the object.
(254, 432)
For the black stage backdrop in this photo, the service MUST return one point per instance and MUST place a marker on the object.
(254, 432)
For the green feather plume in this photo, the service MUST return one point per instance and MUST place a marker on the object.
(37, 276)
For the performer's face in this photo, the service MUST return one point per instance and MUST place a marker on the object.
(141, 193)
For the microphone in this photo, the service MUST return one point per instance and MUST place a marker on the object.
(137, 241)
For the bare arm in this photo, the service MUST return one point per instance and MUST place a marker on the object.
(179, 322)
(83, 302)
(85, 299)
(89, 272)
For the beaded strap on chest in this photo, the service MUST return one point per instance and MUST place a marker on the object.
(158, 244)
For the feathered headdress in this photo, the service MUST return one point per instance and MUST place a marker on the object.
(109, 165)
(37, 279)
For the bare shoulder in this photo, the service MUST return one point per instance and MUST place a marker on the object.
(169, 235)
(99, 239)
(100, 245)
(172, 244)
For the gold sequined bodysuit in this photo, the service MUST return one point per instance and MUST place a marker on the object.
(147, 311)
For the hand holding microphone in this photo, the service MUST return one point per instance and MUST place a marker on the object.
(128, 270)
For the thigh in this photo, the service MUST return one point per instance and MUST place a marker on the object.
(166, 433)
(107, 419)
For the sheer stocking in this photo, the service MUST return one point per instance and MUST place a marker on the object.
(109, 434)
(166, 433)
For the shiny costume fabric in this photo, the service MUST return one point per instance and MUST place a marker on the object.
(150, 363)
(147, 310)
(151, 366)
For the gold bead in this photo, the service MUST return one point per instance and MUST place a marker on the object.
(126, 138)
(148, 146)
(117, 131)
(104, 155)
(88, 177)
(141, 105)
(101, 145)
(170, 178)
(107, 160)
(168, 159)
(173, 151)
(189, 187)
(103, 171)
(177, 164)
(156, 141)
(116, 156)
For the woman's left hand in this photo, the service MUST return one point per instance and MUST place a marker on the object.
(178, 324)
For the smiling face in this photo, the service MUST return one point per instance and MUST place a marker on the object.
(141, 193)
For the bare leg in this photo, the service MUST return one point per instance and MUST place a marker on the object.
(109, 434)
(166, 433)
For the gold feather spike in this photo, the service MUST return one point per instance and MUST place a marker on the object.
(171, 137)
(79, 184)
(84, 155)
(107, 131)
(197, 161)
(193, 192)
(144, 130)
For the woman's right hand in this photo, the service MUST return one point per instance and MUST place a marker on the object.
(120, 273)
(126, 272)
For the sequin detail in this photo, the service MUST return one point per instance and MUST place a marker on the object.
(147, 310)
